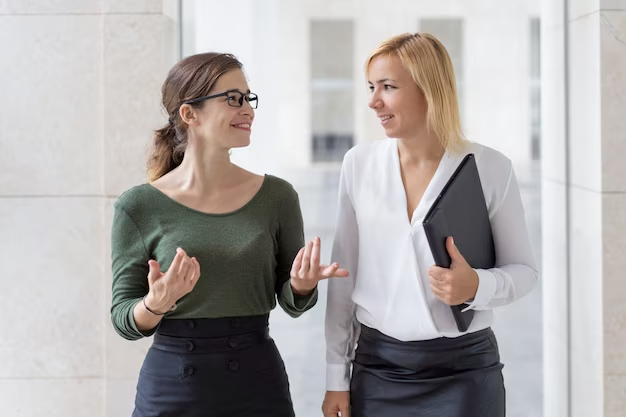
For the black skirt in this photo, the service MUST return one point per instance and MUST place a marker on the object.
(444, 377)
(213, 367)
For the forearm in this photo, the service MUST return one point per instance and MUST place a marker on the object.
(294, 304)
(302, 292)
(145, 320)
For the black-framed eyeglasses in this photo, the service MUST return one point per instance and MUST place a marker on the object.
(234, 98)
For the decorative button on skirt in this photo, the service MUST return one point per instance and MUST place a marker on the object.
(213, 367)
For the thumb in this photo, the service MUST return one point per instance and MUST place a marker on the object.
(154, 272)
(455, 255)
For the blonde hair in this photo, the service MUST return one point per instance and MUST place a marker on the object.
(425, 57)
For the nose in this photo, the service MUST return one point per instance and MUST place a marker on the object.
(375, 102)
(246, 109)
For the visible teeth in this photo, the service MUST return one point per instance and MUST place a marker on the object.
(244, 125)
(383, 118)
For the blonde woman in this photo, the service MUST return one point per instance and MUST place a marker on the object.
(411, 360)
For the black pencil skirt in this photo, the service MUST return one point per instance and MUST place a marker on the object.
(445, 377)
(213, 367)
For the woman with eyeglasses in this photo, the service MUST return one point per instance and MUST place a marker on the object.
(201, 253)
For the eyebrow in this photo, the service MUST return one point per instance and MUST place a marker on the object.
(383, 80)
(238, 90)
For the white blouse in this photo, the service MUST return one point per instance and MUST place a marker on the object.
(388, 257)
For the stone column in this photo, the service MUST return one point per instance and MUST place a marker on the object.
(584, 195)
(80, 97)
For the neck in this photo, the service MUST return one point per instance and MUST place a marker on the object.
(204, 169)
(420, 149)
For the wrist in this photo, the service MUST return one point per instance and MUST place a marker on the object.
(300, 290)
(476, 283)
(157, 307)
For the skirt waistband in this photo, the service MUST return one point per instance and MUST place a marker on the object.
(210, 328)
(374, 337)
(211, 335)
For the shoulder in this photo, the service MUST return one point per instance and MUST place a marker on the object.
(493, 165)
(495, 171)
(136, 199)
(490, 157)
(368, 157)
(279, 189)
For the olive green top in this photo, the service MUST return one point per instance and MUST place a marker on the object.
(245, 256)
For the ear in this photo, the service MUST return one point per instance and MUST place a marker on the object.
(188, 114)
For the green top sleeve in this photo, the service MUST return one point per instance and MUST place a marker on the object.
(130, 274)
(290, 241)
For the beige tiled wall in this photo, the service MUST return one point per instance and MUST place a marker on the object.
(597, 205)
(80, 97)
(612, 28)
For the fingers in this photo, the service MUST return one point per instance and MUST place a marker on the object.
(435, 283)
(295, 267)
(345, 410)
(329, 271)
(315, 254)
(185, 265)
(305, 266)
(193, 272)
(330, 410)
(437, 272)
(342, 273)
(332, 271)
(442, 295)
(154, 271)
(178, 259)
(197, 265)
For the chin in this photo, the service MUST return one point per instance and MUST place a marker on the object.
(240, 144)
(390, 133)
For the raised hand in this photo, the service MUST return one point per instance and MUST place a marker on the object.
(306, 270)
(457, 284)
(169, 287)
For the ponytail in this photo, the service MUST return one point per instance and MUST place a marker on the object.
(168, 152)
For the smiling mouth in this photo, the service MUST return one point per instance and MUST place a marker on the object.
(245, 126)
(385, 119)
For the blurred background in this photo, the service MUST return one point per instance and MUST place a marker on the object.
(543, 81)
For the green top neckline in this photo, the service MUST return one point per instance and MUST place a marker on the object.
(230, 213)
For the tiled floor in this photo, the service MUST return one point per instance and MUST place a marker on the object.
(518, 326)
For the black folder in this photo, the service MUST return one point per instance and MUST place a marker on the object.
(460, 211)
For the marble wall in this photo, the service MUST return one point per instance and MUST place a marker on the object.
(80, 95)
(584, 84)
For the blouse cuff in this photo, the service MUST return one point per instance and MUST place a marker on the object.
(486, 290)
(338, 377)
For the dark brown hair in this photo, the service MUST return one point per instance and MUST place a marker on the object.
(190, 78)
